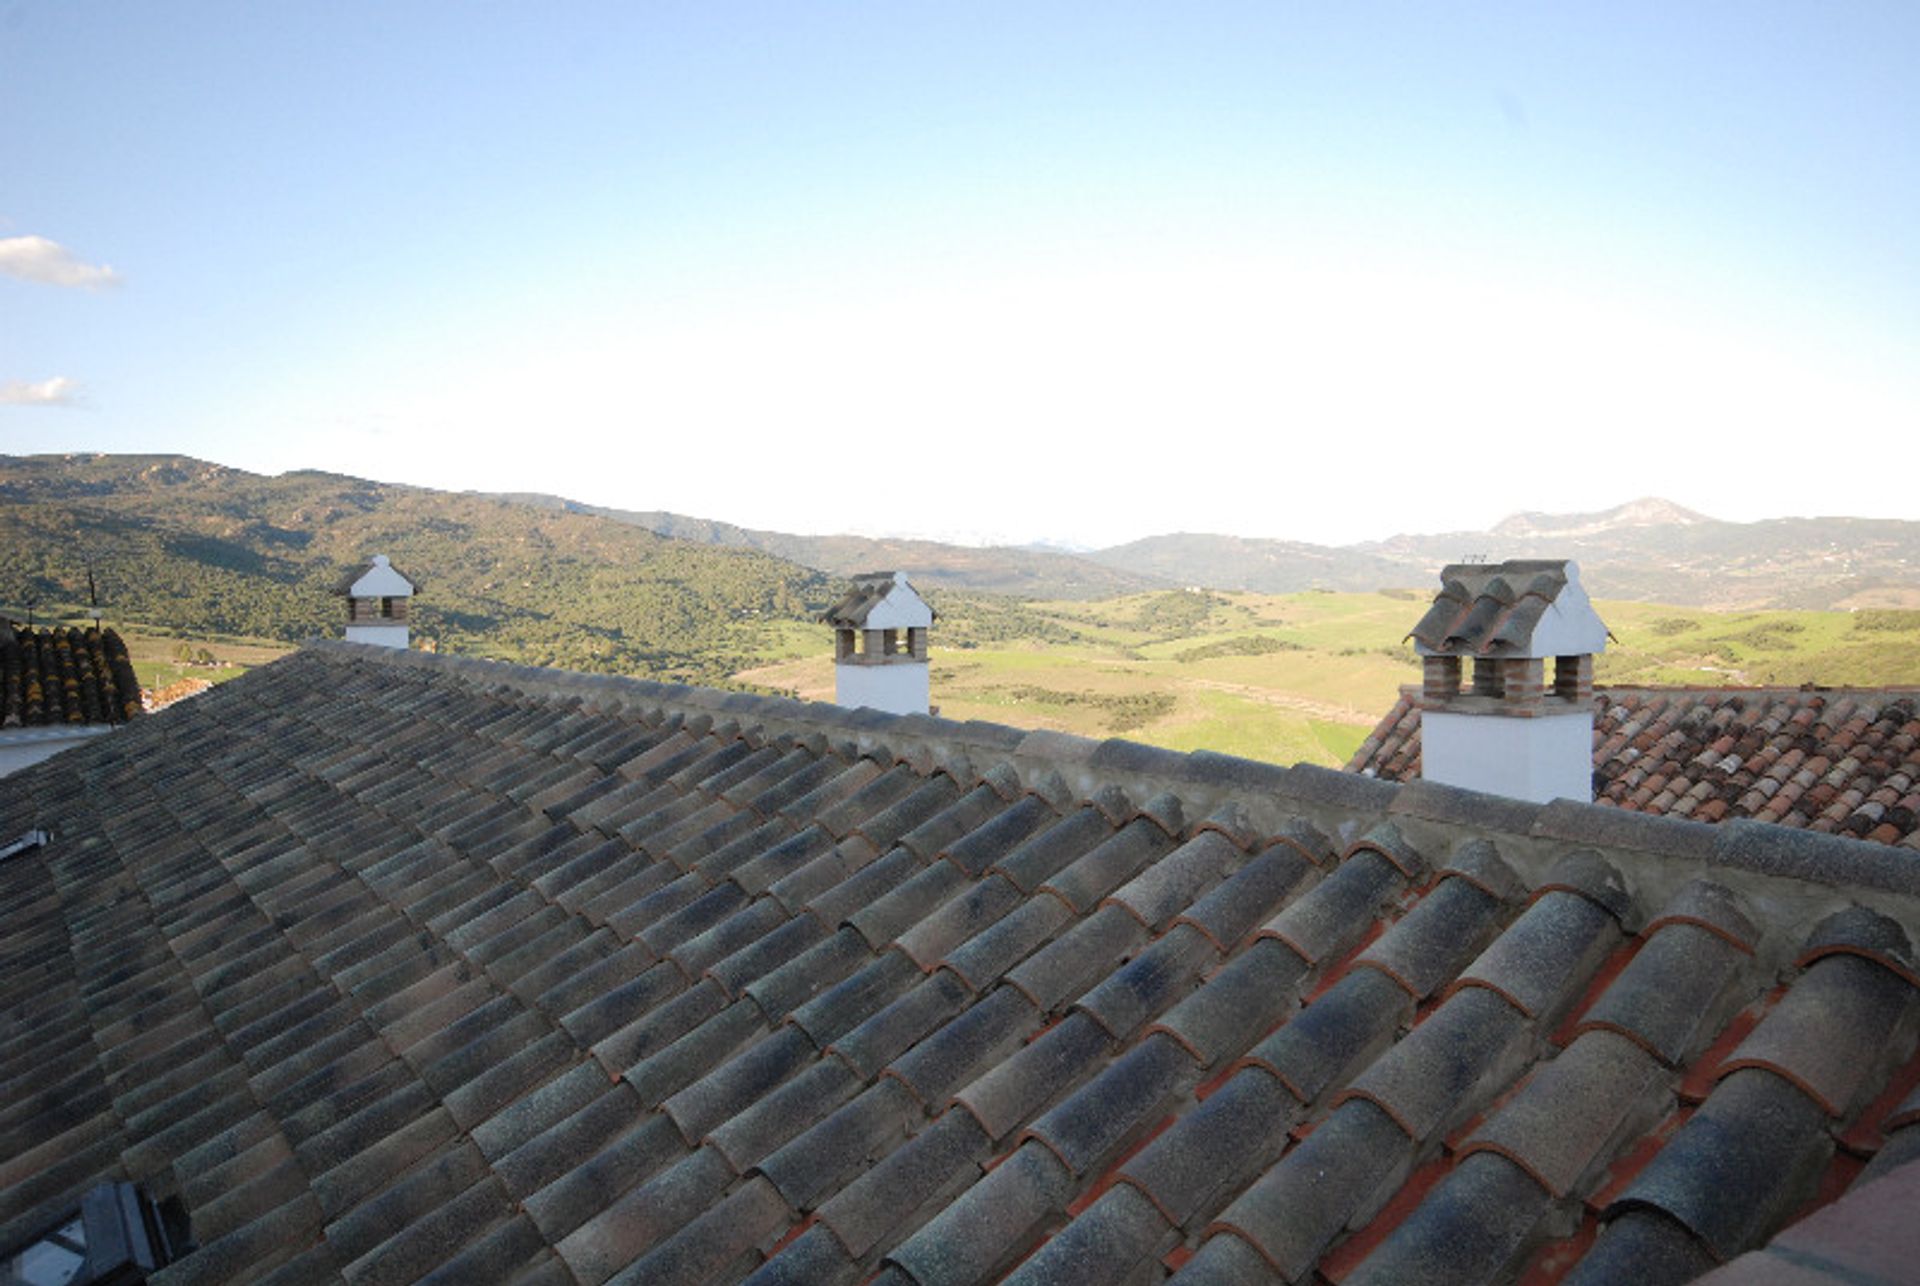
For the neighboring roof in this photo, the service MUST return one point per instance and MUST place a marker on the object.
(60, 676)
(378, 579)
(1522, 607)
(879, 600)
(1841, 761)
(386, 964)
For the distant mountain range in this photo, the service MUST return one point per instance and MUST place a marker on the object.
(1027, 570)
(181, 544)
(1649, 550)
(1656, 551)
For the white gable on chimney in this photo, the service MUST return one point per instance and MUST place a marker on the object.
(1507, 693)
(1520, 608)
(880, 645)
(881, 601)
(380, 580)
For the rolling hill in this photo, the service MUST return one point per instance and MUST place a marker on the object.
(997, 569)
(1646, 550)
(182, 545)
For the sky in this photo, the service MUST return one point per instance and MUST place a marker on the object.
(1079, 273)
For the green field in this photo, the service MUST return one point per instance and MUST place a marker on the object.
(1285, 678)
(156, 666)
(1303, 677)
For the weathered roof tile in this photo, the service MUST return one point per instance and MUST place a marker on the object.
(1012, 1092)
(990, 1224)
(1739, 1166)
(902, 1185)
(1677, 991)
(1116, 1236)
(1577, 1113)
(1835, 1033)
(1448, 1067)
(343, 854)
(1212, 1151)
(1335, 1179)
(830, 1152)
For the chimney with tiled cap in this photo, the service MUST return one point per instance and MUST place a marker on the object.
(880, 645)
(1506, 702)
(378, 598)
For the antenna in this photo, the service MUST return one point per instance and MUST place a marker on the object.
(89, 557)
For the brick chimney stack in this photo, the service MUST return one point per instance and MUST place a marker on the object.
(1506, 694)
(880, 645)
(378, 602)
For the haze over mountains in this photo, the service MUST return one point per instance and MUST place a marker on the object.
(196, 547)
(997, 569)
(1650, 550)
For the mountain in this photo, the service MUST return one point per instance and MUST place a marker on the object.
(1027, 571)
(1649, 512)
(1648, 550)
(180, 544)
(1655, 551)
(1265, 566)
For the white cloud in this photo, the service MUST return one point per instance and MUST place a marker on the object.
(49, 262)
(58, 391)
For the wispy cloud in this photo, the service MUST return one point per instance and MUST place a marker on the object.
(58, 391)
(49, 262)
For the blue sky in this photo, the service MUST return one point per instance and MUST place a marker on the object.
(1014, 271)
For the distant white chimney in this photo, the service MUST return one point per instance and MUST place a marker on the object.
(880, 645)
(378, 599)
(1506, 725)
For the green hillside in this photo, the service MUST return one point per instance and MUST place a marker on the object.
(996, 569)
(186, 550)
(184, 547)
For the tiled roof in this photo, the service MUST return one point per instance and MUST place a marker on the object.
(1490, 609)
(870, 589)
(393, 966)
(55, 676)
(1840, 761)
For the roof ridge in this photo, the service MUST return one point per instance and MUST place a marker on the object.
(1346, 803)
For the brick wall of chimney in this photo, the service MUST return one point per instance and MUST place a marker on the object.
(1440, 678)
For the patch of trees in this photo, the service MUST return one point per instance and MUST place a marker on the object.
(192, 549)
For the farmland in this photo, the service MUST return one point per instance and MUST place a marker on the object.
(1303, 677)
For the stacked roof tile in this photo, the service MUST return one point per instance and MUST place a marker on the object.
(868, 591)
(1840, 761)
(55, 676)
(1490, 609)
(394, 967)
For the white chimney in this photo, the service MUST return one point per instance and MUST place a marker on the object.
(880, 645)
(378, 599)
(1507, 699)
